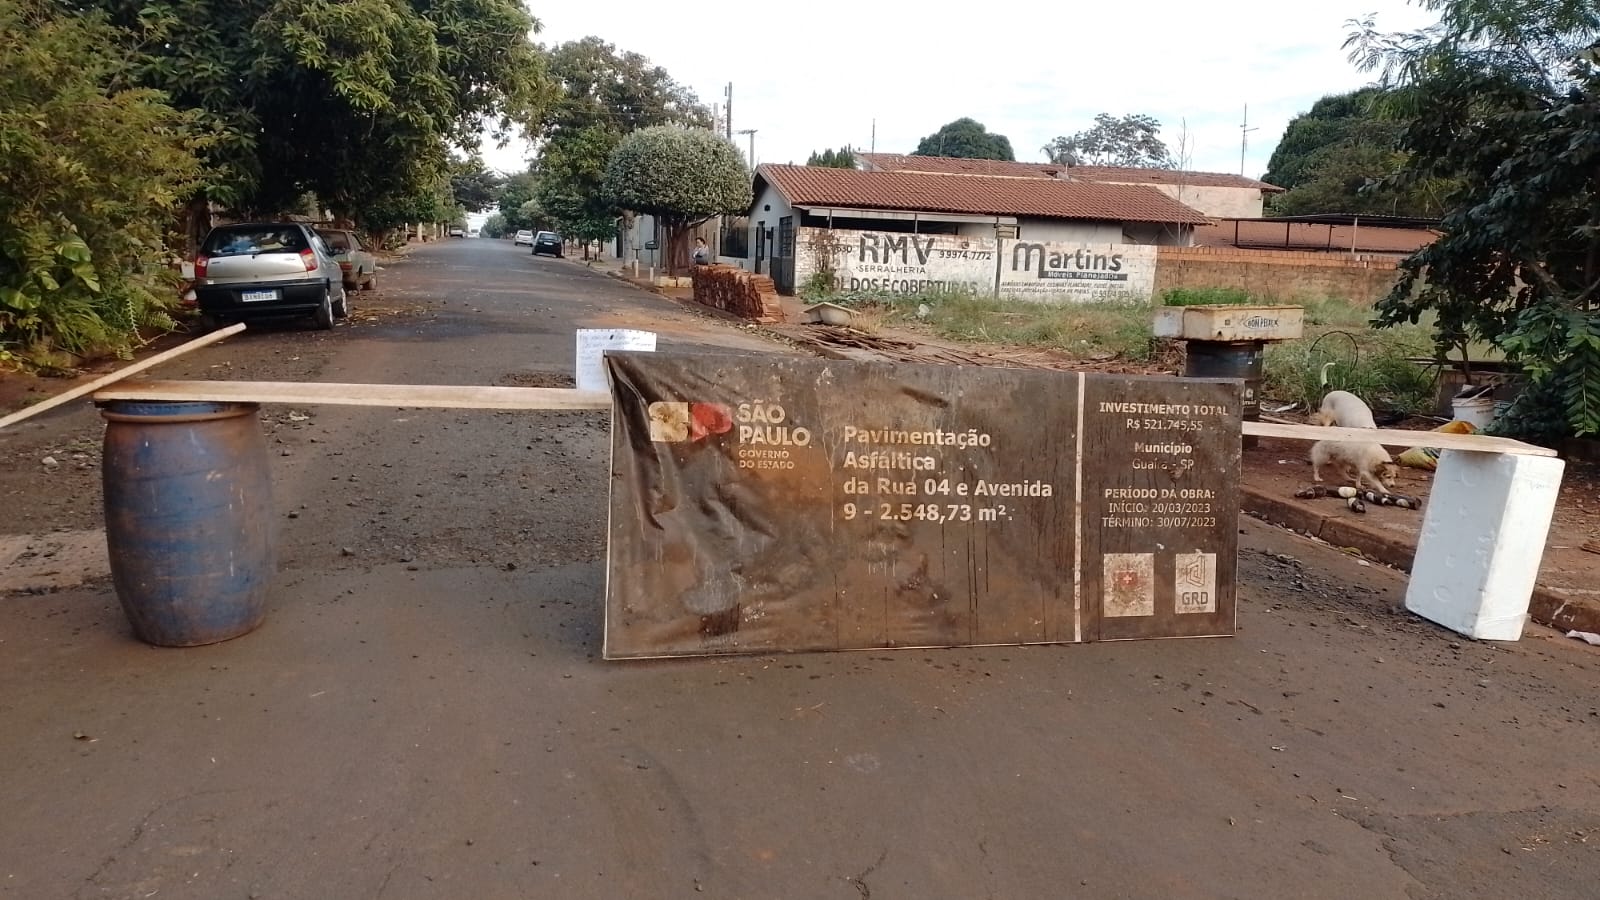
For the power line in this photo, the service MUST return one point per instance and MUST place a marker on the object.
(1244, 137)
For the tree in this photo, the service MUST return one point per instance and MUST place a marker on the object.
(517, 191)
(966, 139)
(1501, 99)
(1133, 141)
(472, 185)
(1340, 156)
(843, 158)
(92, 172)
(604, 94)
(494, 226)
(683, 176)
(357, 101)
(571, 181)
(1332, 123)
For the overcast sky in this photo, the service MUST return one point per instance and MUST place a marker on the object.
(808, 76)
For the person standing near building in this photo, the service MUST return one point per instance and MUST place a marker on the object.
(702, 253)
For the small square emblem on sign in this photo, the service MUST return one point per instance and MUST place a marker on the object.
(1129, 585)
(669, 421)
(1195, 582)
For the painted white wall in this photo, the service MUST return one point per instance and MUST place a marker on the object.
(1033, 269)
(1159, 235)
(896, 263)
(1217, 202)
(1074, 272)
(768, 209)
(644, 230)
(1067, 231)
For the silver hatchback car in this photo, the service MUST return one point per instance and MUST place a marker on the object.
(268, 269)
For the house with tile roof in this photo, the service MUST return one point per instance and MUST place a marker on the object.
(977, 206)
(1216, 194)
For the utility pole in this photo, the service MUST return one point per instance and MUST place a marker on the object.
(874, 144)
(729, 108)
(1244, 137)
(752, 133)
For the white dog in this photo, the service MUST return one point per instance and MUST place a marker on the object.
(1344, 409)
(1363, 462)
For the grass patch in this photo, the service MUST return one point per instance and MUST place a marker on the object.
(1119, 327)
(1371, 363)
(1208, 297)
(1374, 364)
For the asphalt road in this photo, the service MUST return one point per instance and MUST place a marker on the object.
(424, 714)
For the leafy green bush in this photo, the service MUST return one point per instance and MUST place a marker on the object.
(1374, 365)
(90, 174)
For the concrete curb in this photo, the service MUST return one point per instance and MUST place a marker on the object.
(1548, 606)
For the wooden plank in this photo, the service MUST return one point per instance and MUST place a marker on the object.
(487, 397)
(441, 396)
(126, 371)
(1398, 438)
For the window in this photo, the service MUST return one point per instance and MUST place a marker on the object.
(785, 237)
(249, 240)
(340, 240)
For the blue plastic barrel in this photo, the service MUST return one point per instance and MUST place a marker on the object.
(189, 527)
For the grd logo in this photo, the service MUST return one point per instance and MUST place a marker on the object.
(673, 422)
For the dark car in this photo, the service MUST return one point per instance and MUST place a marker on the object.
(268, 269)
(548, 242)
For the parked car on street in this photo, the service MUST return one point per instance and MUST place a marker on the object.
(457, 231)
(359, 267)
(547, 242)
(268, 269)
(523, 237)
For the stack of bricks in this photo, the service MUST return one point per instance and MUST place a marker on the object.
(738, 292)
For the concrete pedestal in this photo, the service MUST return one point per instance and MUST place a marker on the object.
(1482, 540)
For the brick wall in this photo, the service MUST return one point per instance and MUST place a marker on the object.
(1277, 274)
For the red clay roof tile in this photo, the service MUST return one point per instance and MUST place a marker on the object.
(972, 194)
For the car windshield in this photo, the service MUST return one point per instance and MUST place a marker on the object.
(248, 240)
(547, 235)
(340, 241)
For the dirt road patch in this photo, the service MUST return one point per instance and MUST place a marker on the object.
(38, 562)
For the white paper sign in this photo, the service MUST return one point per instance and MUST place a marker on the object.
(592, 345)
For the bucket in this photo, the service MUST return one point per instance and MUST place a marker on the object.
(189, 525)
(1478, 412)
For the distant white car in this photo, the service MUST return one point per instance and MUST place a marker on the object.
(523, 237)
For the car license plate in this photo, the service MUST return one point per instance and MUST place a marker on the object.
(248, 296)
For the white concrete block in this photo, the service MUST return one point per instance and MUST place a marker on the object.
(1482, 540)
